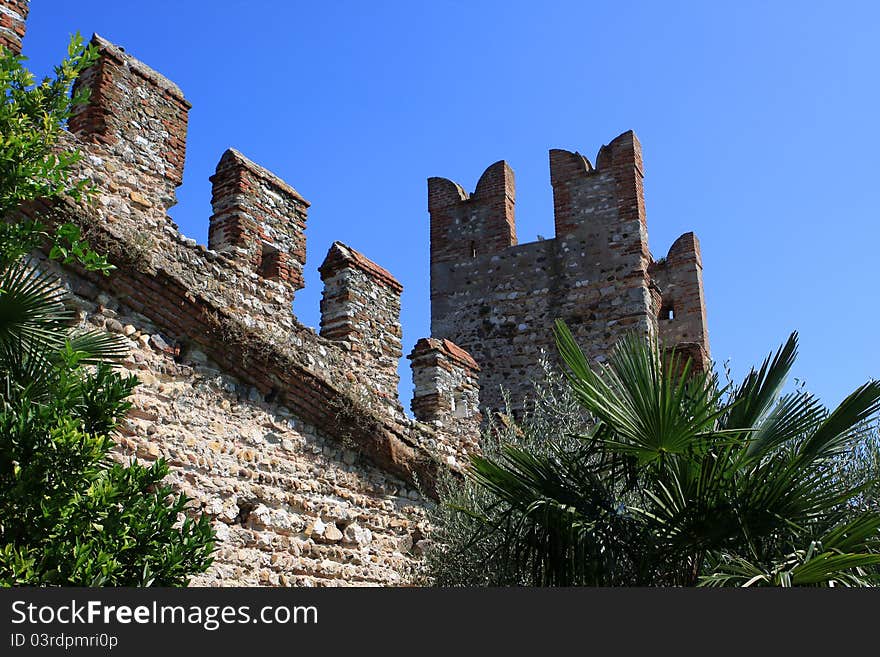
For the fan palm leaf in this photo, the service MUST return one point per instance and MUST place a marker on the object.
(652, 412)
(36, 332)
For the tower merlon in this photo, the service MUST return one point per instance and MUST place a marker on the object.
(566, 166)
(623, 150)
(680, 301)
(442, 192)
(464, 226)
(582, 192)
(686, 247)
(496, 185)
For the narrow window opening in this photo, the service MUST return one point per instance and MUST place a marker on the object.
(271, 262)
(667, 312)
(473, 249)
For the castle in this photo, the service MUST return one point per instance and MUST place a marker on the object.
(295, 442)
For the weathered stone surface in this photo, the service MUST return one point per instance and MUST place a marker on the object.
(360, 309)
(360, 536)
(259, 220)
(447, 396)
(287, 508)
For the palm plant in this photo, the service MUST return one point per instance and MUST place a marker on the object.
(36, 333)
(679, 481)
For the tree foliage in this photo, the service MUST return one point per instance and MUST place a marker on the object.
(673, 480)
(32, 163)
(71, 516)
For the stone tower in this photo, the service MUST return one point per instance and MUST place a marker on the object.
(498, 299)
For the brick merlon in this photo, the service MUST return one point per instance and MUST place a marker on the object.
(341, 256)
(624, 149)
(234, 157)
(447, 348)
(567, 165)
(686, 246)
(497, 182)
(443, 192)
(118, 53)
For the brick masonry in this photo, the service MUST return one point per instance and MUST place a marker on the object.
(360, 310)
(498, 299)
(13, 14)
(259, 220)
(446, 396)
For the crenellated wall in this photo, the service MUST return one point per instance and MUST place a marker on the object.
(498, 299)
(295, 444)
(294, 500)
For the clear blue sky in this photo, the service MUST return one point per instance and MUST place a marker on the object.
(758, 122)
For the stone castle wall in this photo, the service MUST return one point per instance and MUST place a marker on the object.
(291, 504)
(294, 443)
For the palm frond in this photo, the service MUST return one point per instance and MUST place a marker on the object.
(846, 424)
(794, 416)
(650, 405)
(754, 397)
(805, 567)
(32, 312)
(96, 347)
(35, 332)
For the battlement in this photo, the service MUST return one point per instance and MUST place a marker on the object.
(468, 225)
(499, 299)
(295, 442)
(230, 302)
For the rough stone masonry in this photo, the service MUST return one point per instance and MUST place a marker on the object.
(295, 443)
